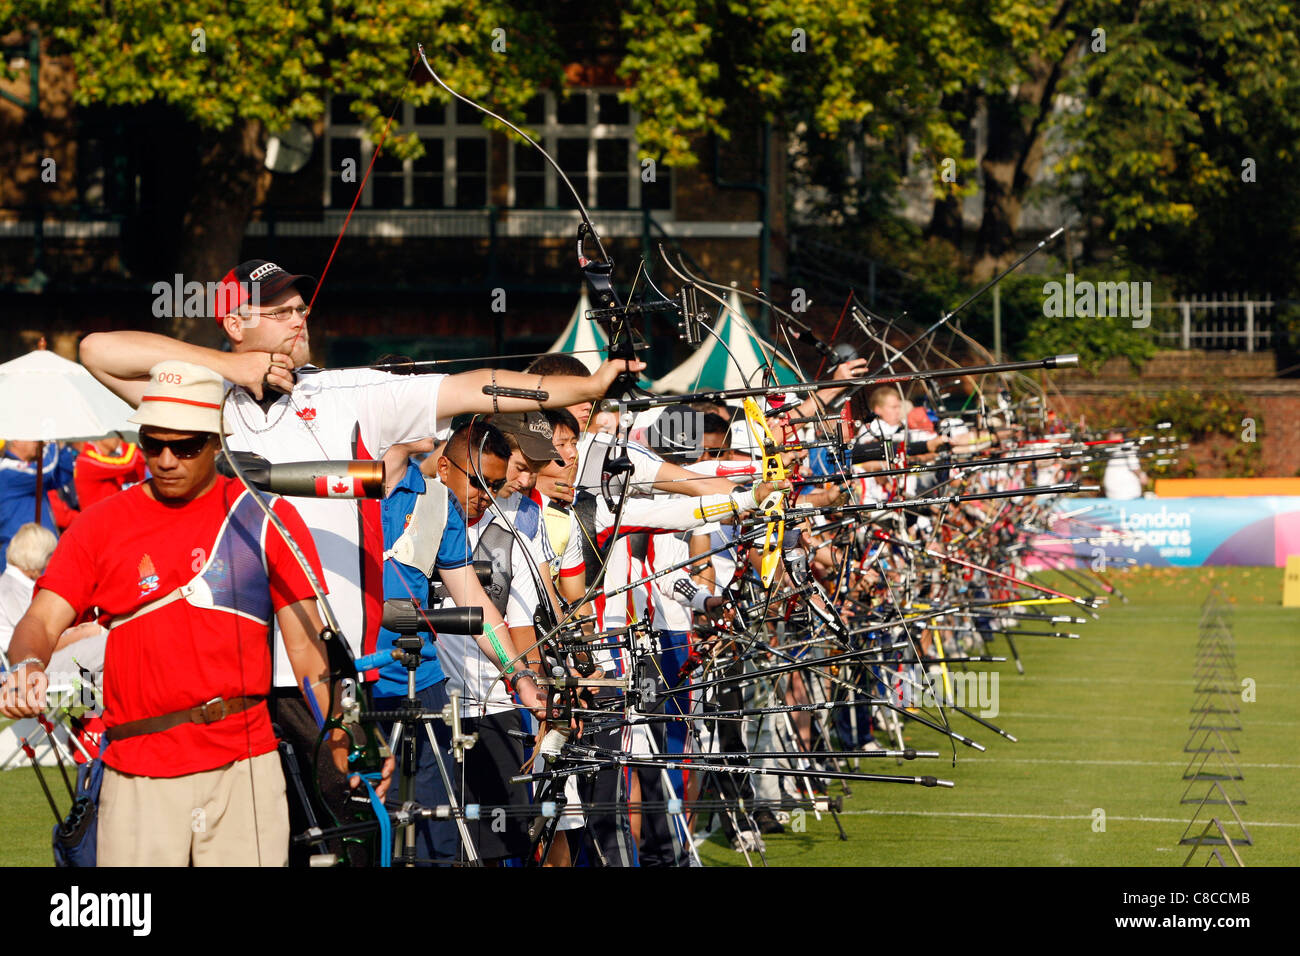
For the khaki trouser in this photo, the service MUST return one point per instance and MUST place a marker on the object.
(204, 819)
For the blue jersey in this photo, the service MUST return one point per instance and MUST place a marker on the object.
(18, 490)
(404, 581)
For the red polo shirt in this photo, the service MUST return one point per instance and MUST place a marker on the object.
(130, 550)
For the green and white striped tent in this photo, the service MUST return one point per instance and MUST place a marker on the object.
(711, 366)
(583, 337)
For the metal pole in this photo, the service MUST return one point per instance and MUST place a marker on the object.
(997, 323)
(40, 477)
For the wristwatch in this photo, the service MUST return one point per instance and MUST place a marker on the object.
(522, 672)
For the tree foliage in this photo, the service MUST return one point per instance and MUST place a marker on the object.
(218, 64)
(1158, 123)
(1188, 103)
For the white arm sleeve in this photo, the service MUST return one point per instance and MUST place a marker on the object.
(676, 513)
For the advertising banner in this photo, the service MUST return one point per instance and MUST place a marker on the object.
(1163, 532)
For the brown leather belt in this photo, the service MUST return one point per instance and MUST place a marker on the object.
(214, 710)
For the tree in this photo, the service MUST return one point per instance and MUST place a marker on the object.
(237, 71)
(1019, 99)
(1189, 127)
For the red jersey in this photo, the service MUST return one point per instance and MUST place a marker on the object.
(97, 476)
(130, 550)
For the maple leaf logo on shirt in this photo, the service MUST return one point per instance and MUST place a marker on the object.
(307, 414)
(148, 576)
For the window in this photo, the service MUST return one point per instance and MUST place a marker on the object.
(593, 139)
(452, 174)
(590, 134)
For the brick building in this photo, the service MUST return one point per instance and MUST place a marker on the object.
(90, 201)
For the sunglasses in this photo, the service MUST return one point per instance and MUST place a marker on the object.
(492, 486)
(183, 448)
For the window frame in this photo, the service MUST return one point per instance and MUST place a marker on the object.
(550, 131)
(448, 133)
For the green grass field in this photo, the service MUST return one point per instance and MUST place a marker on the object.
(1102, 724)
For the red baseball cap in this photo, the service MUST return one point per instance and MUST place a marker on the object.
(256, 280)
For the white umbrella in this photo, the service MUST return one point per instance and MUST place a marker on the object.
(47, 398)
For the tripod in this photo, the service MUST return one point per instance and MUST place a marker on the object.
(408, 650)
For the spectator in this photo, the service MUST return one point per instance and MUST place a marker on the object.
(27, 555)
(105, 467)
(1124, 478)
(18, 485)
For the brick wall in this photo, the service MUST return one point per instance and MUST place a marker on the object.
(1179, 366)
(1246, 378)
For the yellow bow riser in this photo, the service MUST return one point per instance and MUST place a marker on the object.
(774, 504)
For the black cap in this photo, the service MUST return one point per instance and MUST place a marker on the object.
(533, 432)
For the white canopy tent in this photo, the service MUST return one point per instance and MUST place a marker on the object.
(47, 398)
(738, 365)
(582, 338)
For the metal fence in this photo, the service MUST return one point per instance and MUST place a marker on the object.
(1220, 321)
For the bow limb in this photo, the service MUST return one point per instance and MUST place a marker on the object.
(597, 271)
(825, 428)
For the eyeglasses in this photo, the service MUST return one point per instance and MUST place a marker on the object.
(492, 486)
(183, 448)
(303, 310)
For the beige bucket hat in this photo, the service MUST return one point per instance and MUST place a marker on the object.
(182, 397)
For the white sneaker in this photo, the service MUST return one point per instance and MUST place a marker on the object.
(871, 746)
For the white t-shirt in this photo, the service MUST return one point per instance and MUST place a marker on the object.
(339, 415)
(905, 486)
(15, 598)
(668, 612)
(468, 670)
(724, 562)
